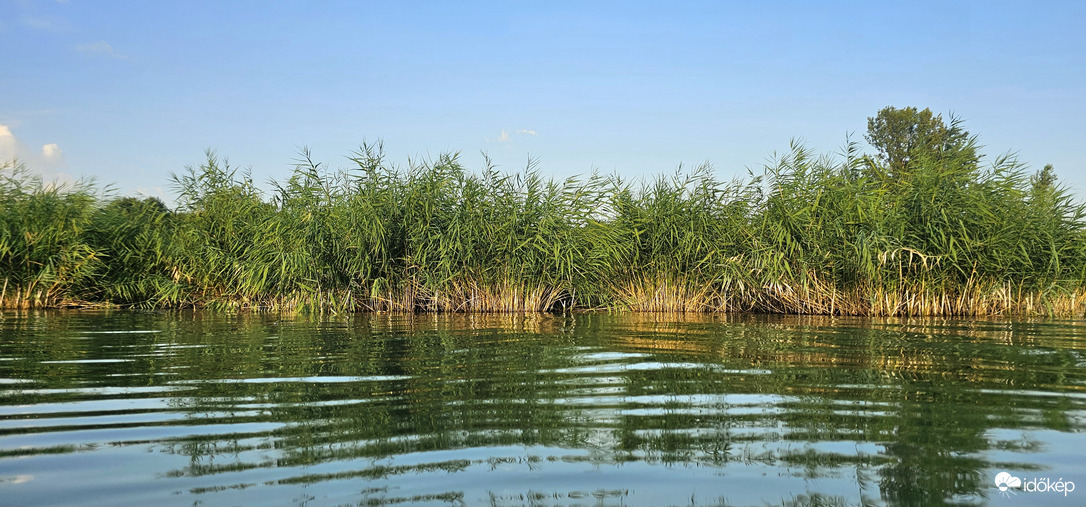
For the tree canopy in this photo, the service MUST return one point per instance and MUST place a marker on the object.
(905, 137)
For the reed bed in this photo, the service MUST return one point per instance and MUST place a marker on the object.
(809, 234)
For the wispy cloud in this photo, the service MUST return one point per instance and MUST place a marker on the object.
(40, 23)
(507, 137)
(156, 192)
(99, 48)
(38, 16)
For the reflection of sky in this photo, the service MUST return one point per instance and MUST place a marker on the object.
(734, 413)
(16, 479)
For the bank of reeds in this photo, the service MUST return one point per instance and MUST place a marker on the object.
(43, 251)
(809, 234)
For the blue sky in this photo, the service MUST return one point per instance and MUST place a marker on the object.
(128, 91)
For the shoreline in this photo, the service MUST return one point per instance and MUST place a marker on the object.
(664, 300)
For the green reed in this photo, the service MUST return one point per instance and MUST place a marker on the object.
(43, 251)
(811, 233)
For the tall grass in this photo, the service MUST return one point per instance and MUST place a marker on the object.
(43, 251)
(811, 233)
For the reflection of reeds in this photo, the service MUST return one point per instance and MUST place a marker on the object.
(812, 235)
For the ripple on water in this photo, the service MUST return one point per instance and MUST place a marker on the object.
(228, 410)
(301, 380)
(87, 361)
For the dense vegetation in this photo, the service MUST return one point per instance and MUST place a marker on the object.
(922, 227)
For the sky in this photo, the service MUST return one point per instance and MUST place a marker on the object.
(128, 92)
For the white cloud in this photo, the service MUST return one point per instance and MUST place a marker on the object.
(99, 48)
(527, 131)
(46, 161)
(9, 146)
(51, 151)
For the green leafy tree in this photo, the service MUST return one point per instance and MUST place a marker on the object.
(906, 137)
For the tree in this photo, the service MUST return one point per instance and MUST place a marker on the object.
(906, 137)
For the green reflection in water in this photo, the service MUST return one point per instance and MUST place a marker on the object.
(134, 408)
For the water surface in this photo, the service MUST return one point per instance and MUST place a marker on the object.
(127, 408)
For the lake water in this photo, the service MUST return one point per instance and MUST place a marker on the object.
(126, 408)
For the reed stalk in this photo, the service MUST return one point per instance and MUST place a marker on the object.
(810, 234)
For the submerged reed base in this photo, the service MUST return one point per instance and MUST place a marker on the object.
(992, 299)
(641, 296)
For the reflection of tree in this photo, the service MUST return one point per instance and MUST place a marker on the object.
(935, 448)
(919, 390)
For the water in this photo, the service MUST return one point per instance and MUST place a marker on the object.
(199, 409)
